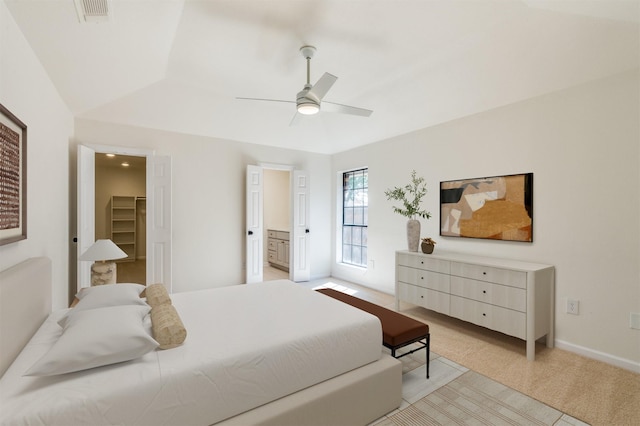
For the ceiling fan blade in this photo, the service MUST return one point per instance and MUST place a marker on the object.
(345, 109)
(297, 119)
(322, 86)
(265, 100)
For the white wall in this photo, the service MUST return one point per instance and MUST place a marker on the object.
(583, 146)
(25, 89)
(277, 199)
(209, 199)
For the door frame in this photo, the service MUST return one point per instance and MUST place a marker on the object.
(293, 244)
(129, 151)
(290, 169)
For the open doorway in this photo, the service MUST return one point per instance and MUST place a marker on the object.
(158, 211)
(120, 211)
(296, 250)
(277, 224)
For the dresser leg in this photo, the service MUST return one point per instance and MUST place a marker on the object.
(531, 349)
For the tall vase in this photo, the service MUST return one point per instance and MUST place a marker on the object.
(413, 234)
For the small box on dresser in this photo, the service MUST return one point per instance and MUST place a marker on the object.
(513, 297)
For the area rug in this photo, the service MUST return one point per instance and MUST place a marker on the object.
(475, 399)
(456, 395)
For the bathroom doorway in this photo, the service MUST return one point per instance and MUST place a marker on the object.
(276, 223)
(294, 244)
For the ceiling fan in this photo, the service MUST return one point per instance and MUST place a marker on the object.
(310, 99)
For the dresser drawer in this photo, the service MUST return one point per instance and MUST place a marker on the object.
(422, 278)
(504, 320)
(430, 299)
(271, 256)
(424, 262)
(494, 294)
(272, 245)
(490, 274)
(281, 235)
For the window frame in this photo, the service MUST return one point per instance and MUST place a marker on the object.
(357, 223)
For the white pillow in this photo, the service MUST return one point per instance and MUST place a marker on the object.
(106, 295)
(97, 337)
(112, 294)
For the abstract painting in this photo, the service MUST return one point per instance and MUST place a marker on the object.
(497, 208)
(13, 178)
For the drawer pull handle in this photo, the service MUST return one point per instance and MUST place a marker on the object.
(421, 297)
(422, 262)
(484, 291)
(484, 315)
(484, 273)
(422, 278)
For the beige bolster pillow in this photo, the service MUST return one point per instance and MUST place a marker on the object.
(157, 295)
(167, 326)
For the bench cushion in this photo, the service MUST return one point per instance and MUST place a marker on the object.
(397, 329)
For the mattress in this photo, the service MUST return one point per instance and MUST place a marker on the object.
(246, 346)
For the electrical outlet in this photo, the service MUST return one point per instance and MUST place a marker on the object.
(634, 320)
(573, 306)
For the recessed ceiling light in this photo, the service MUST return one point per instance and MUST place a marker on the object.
(125, 164)
(110, 155)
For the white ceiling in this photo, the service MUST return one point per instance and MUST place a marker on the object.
(179, 65)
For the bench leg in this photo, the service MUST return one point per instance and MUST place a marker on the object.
(426, 346)
(428, 342)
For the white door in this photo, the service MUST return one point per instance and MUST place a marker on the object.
(301, 270)
(86, 211)
(254, 256)
(159, 221)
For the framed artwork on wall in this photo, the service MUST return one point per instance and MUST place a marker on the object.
(13, 178)
(497, 208)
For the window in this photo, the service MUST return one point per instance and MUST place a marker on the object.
(355, 215)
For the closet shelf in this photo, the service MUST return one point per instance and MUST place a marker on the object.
(123, 224)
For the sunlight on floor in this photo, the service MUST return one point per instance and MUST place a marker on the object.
(338, 287)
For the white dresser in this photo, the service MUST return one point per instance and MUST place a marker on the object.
(509, 296)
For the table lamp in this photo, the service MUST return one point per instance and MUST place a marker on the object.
(103, 270)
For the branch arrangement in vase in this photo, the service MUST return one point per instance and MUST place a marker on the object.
(411, 196)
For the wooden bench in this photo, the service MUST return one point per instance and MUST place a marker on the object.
(398, 330)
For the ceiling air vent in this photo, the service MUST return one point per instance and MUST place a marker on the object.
(93, 10)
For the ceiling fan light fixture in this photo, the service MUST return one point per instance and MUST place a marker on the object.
(308, 108)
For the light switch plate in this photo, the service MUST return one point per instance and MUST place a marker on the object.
(634, 320)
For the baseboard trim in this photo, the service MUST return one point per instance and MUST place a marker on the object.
(627, 364)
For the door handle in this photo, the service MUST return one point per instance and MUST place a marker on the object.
(306, 231)
(250, 232)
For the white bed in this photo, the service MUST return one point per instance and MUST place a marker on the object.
(272, 353)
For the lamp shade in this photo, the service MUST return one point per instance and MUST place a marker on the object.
(103, 250)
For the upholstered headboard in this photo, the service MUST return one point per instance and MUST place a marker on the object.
(25, 302)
